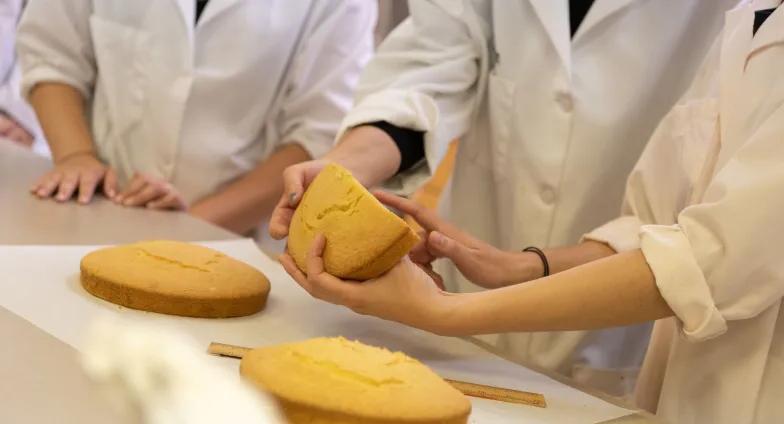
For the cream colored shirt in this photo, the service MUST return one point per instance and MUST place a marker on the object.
(705, 205)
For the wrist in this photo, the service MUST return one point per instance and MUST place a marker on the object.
(60, 158)
(369, 153)
(524, 266)
(448, 315)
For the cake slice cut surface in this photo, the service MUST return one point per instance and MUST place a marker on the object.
(364, 238)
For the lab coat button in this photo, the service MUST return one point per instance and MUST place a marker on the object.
(547, 195)
(565, 100)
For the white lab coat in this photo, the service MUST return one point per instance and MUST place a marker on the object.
(705, 204)
(549, 127)
(200, 105)
(11, 101)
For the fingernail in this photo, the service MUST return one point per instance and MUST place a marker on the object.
(439, 239)
(83, 199)
(127, 202)
(292, 198)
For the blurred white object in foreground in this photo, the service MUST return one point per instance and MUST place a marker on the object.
(163, 378)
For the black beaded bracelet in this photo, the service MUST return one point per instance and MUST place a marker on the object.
(542, 256)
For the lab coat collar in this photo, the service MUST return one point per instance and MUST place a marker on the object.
(599, 11)
(554, 15)
(739, 45)
(187, 10)
(771, 32)
(215, 8)
(735, 44)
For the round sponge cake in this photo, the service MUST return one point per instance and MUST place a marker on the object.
(364, 239)
(174, 278)
(334, 380)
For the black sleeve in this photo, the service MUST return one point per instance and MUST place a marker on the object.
(410, 143)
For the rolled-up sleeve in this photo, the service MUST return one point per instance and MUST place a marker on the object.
(622, 234)
(54, 45)
(681, 281)
(325, 73)
(722, 259)
(424, 77)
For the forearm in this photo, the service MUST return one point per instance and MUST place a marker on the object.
(369, 153)
(614, 291)
(526, 266)
(562, 258)
(60, 110)
(246, 202)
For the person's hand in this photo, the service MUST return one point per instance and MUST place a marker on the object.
(145, 190)
(405, 293)
(296, 179)
(480, 262)
(76, 173)
(11, 130)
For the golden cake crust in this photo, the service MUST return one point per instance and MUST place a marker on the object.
(333, 380)
(174, 278)
(364, 239)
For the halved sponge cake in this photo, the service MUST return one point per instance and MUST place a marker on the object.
(364, 239)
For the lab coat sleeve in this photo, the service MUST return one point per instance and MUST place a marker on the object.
(11, 102)
(721, 260)
(54, 45)
(424, 77)
(9, 15)
(325, 72)
(17, 108)
(622, 234)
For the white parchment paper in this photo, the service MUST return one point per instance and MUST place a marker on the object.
(41, 284)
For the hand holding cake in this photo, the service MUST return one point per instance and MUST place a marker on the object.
(405, 293)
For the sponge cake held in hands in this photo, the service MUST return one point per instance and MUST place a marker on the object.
(364, 239)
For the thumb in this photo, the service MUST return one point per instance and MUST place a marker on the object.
(293, 186)
(440, 245)
(280, 219)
